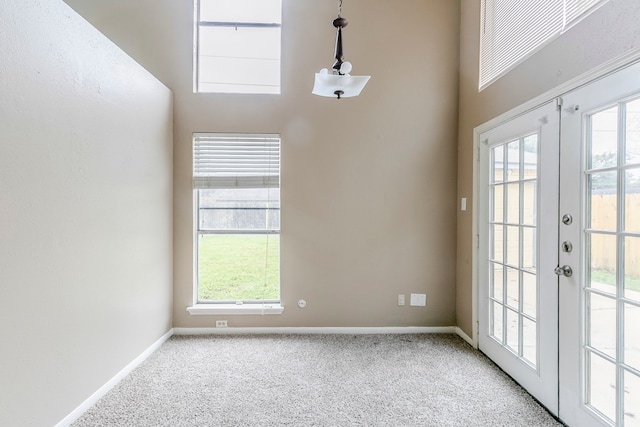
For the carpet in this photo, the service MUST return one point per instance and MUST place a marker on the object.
(317, 380)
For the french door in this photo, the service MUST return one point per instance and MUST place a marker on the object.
(518, 205)
(600, 235)
(559, 251)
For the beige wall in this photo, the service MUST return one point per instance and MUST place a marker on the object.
(368, 183)
(604, 35)
(85, 211)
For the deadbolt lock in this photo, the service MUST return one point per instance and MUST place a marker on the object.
(567, 246)
(567, 219)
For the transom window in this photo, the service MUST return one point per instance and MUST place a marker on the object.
(512, 30)
(237, 46)
(236, 179)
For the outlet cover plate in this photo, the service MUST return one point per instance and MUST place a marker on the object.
(418, 300)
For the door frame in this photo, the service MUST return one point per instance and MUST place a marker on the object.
(616, 64)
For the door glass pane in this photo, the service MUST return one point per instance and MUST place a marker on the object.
(604, 139)
(497, 164)
(601, 323)
(529, 344)
(513, 246)
(529, 295)
(632, 269)
(513, 330)
(497, 320)
(602, 193)
(513, 203)
(513, 159)
(529, 248)
(530, 148)
(633, 136)
(497, 281)
(602, 385)
(632, 200)
(631, 400)
(632, 336)
(529, 202)
(513, 288)
(498, 242)
(498, 202)
(601, 252)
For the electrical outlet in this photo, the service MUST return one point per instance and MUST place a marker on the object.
(400, 299)
(221, 324)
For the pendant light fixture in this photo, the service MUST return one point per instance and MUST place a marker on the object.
(337, 82)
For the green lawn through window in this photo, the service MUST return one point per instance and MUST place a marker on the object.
(232, 267)
(609, 278)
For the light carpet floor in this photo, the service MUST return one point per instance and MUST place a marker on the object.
(317, 380)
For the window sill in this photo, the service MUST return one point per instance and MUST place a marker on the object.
(209, 309)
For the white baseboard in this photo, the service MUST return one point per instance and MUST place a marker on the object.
(84, 406)
(465, 337)
(319, 330)
(88, 403)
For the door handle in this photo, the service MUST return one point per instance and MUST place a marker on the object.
(565, 270)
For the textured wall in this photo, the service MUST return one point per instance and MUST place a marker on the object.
(368, 183)
(607, 33)
(85, 211)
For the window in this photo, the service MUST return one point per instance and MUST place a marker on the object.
(512, 30)
(237, 46)
(236, 180)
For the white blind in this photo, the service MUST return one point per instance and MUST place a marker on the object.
(511, 30)
(576, 9)
(236, 161)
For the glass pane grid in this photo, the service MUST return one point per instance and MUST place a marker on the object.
(513, 240)
(612, 293)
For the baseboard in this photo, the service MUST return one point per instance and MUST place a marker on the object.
(88, 403)
(319, 330)
(465, 337)
(84, 406)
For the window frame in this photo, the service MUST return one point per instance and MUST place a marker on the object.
(233, 306)
(198, 24)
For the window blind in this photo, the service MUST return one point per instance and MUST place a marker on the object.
(511, 30)
(576, 9)
(236, 161)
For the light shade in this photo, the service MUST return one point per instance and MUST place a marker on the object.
(333, 84)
